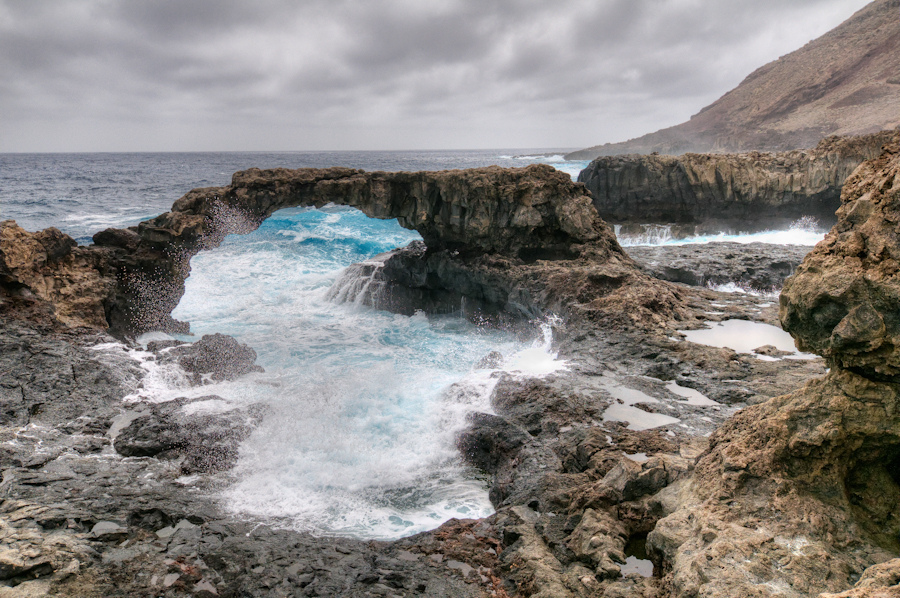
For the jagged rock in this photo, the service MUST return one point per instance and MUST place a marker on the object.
(741, 192)
(203, 442)
(844, 301)
(878, 581)
(217, 354)
(809, 480)
(757, 266)
(75, 283)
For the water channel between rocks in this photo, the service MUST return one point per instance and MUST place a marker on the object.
(362, 407)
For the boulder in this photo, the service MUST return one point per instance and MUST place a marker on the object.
(844, 301)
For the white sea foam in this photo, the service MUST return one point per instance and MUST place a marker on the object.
(362, 407)
(660, 234)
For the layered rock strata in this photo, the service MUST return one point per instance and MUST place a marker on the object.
(799, 495)
(740, 192)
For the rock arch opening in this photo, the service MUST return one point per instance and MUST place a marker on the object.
(522, 214)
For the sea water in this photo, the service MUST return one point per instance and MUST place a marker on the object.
(361, 407)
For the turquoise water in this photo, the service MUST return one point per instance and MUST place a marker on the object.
(363, 406)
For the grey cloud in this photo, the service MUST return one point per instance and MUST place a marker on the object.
(277, 74)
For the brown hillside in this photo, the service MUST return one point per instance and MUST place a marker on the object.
(846, 82)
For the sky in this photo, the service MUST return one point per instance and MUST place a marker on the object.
(311, 75)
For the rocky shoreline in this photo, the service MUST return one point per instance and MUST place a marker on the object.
(746, 192)
(794, 493)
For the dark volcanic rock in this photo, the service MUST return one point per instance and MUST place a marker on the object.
(738, 192)
(758, 266)
(217, 354)
(205, 442)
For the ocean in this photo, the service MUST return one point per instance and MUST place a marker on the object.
(362, 407)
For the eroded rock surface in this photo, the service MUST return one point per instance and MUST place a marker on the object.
(844, 302)
(799, 495)
(741, 192)
(756, 266)
(133, 279)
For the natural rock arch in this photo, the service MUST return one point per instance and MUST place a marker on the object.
(522, 214)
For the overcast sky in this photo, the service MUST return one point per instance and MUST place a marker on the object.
(160, 75)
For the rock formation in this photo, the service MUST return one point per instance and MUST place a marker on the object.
(483, 228)
(741, 192)
(846, 82)
(799, 495)
(843, 302)
(757, 266)
(49, 277)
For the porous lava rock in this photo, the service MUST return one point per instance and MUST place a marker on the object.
(798, 495)
(219, 355)
(844, 301)
(46, 276)
(741, 192)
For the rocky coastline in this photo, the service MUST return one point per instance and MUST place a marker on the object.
(752, 488)
(747, 192)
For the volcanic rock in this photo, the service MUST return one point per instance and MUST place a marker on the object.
(844, 301)
(219, 355)
(757, 266)
(522, 240)
(204, 442)
(809, 480)
(738, 192)
(47, 271)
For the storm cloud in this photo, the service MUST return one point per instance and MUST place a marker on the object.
(105, 75)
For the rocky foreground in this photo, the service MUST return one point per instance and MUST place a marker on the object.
(795, 493)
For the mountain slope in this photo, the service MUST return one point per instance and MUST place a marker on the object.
(846, 82)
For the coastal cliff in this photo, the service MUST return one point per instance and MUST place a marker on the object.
(714, 192)
(843, 83)
(735, 482)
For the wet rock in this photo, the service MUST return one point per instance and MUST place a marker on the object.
(757, 266)
(219, 355)
(204, 442)
(490, 441)
(490, 361)
(742, 192)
